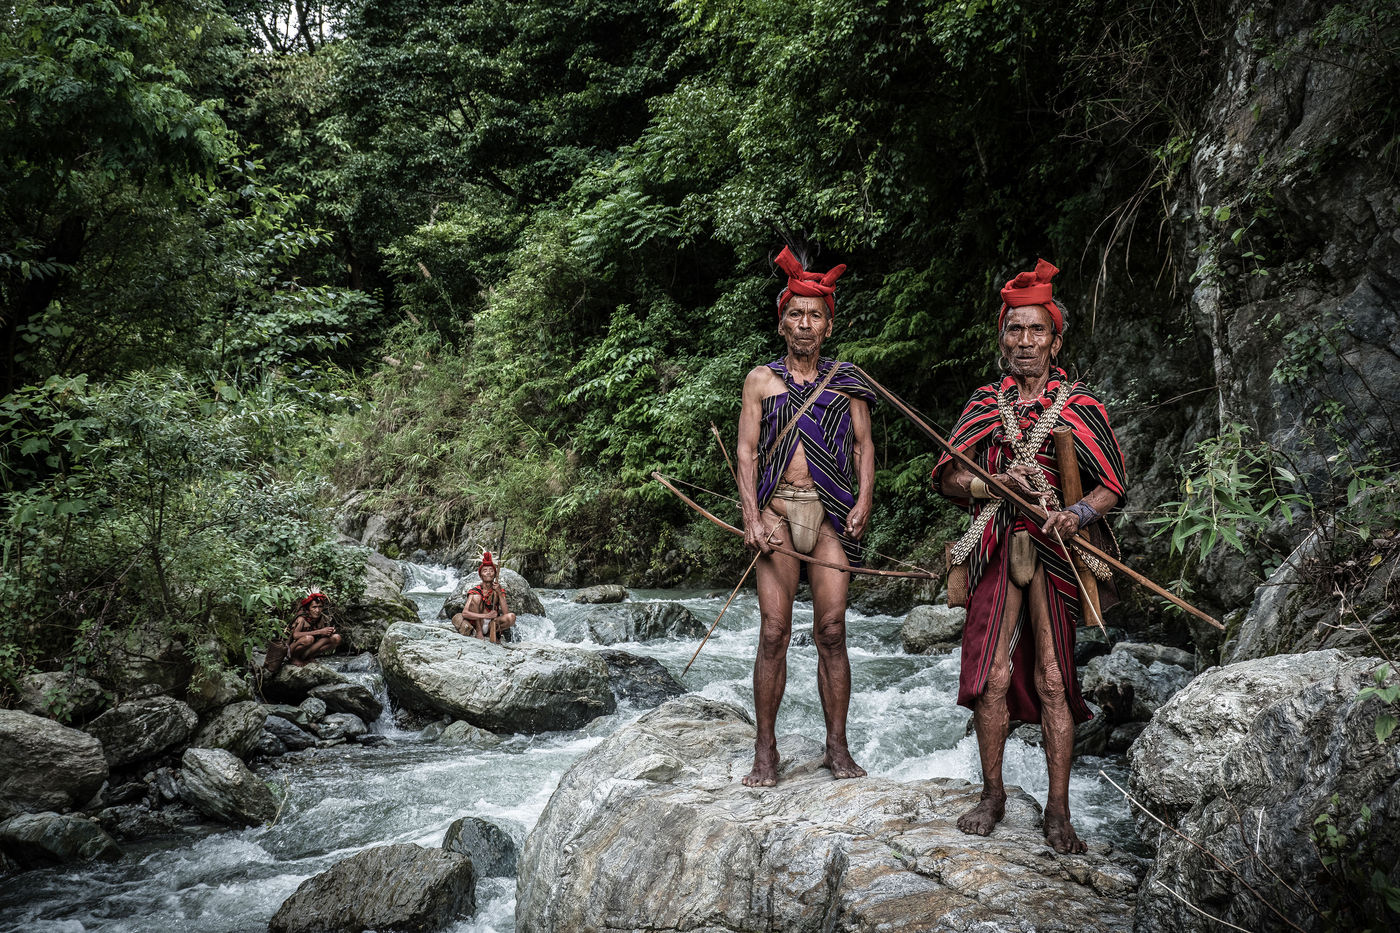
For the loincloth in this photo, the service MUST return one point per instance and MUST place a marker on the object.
(805, 515)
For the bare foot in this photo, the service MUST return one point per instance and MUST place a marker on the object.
(1060, 835)
(841, 763)
(983, 818)
(765, 768)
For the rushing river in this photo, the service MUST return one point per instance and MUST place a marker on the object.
(904, 724)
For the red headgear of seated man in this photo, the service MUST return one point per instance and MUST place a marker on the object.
(1032, 288)
(314, 598)
(486, 561)
(808, 284)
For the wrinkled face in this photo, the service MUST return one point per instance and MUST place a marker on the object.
(315, 609)
(804, 324)
(488, 573)
(1028, 341)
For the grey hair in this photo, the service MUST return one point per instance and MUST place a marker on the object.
(1064, 316)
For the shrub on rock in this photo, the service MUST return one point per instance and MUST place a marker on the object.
(60, 695)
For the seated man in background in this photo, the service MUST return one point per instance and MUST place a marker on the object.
(312, 634)
(486, 612)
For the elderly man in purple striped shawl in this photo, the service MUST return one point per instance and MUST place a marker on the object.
(806, 473)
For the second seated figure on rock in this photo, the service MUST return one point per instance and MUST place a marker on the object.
(486, 614)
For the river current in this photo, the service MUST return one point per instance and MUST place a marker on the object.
(904, 724)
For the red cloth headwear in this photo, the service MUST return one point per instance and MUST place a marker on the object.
(807, 284)
(486, 560)
(312, 597)
(1031, 288)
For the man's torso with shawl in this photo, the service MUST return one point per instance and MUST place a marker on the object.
(490, 597)
(981, 433)
(828, 440)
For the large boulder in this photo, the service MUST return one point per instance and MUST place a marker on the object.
(602, 593)
(1176, 761)
(349, 698)
(503, 688)
(210, 690)
(932, 628)
(1291, 613)
(289, 735)
(642, 681)
(235, 728)
(340, 727)
(292, 684)
(362, 622)
(492, 851)
(393, 887)
(644, 621)
(220, 786)
(60, 695)
(1269, 747)
(36, 839)
(466, 734)
(520, 596)
(133, 659)
(141, 729)
(652, 830)
(1128, 688)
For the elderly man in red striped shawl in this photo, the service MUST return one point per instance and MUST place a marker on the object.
(1023, 604)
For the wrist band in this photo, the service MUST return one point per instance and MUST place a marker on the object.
(1085, 512)
(980, 490)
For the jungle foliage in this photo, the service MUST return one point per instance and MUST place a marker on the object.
(502, 259)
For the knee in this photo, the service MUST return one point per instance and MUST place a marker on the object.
(829, 633)
(1048, 682)
(335, 641)
(998, 681)
(773, 636)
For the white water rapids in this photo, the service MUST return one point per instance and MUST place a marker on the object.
(904, 724)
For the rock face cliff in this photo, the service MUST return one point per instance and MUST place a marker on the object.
(653, 831)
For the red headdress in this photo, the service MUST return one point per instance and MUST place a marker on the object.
(486, 560)
(1031, 288)
(807, 284)
(311, 598)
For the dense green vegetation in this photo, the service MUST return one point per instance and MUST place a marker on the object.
(502, 259)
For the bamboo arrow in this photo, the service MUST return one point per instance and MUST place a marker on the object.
(1039, 514)
(816, 561)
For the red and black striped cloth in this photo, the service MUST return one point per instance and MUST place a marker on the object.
(979, 432)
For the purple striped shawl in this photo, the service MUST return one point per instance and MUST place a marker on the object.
(826, 436)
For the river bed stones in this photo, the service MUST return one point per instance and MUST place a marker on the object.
(36, 839)
(60, 695)
(503, 688)
(292, 684)
(349, 698)
(931, 629)
(46, 766)
(652, 830)
(464, 733)
(1130, 688)
(642, 681)
(235, 728)
(643, 621)
(217, 784)
(363, 621)
(601, 593)
(492, 851)
(138, 730)
(393, 887)
(1243, 762)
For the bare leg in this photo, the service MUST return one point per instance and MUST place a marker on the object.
(777, 586)
(829, 588)
(1056, 722)
(992, 721)
(300, 650)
